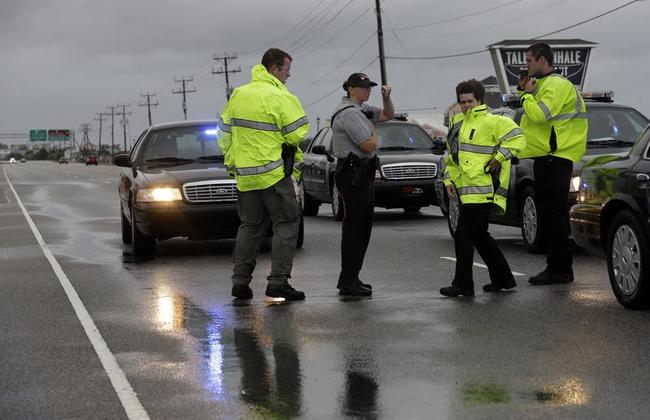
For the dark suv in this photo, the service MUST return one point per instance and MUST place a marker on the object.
(409, 162)
(611, 219)
(613, 128)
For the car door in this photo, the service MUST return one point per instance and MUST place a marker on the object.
(316, 171)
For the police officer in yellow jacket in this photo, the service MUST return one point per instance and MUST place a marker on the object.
(261, 123)
(480, 146)
(555, 126)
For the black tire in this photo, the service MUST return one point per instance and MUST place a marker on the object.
(311, 206)
(531, 230)
(301, 233)
(412, 209)
(126, 227)
(142, 245)
(453, 211)
(337, 204)
(628, 261)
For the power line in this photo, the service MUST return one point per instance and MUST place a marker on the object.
(288, 31)
(338, 87)
(537, 37)
(340, 64)
(498, 25)
(316, 31)
(403, 28)
(588, 20)
(313, 24)
(184, 91)
(341, 32)
(225, 70)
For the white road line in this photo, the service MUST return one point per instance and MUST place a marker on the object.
(126, 394)
(514, 273)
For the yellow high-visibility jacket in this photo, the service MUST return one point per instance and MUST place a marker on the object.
(554, 120)
(475, 138)
(259, 118)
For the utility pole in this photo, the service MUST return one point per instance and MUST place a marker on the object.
(85, 143)
(184, 90)
(99, 147)
(112, 108)
(124, 114)
(149, 104)
(225, 70)
(380, 40)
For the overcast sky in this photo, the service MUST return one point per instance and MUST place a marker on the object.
(64, 61)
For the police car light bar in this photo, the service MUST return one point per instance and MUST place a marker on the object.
(599, 95)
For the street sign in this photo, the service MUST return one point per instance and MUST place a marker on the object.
(58, 135)
(37, 135)
(570, 59)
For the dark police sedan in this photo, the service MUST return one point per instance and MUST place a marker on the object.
(174, 184)
(612, 219)
(409, 161)
(612, 129)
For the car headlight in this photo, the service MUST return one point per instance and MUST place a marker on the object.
(150, 195)
(575, 184)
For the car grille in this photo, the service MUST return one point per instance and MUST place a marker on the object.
(411, 170)
(211, 191)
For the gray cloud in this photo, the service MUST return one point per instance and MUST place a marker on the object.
(63, 61)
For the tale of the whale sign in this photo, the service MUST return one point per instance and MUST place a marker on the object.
(569, 62)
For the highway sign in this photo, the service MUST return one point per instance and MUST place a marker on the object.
(58, 135)
(37, 135)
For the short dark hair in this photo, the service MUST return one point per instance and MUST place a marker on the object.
(472, 86)
(274, 57)
(541, 50)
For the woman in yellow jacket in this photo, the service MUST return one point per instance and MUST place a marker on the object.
(480, 146)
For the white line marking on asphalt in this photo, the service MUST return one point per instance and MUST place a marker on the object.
(126, 394)
(514, 273)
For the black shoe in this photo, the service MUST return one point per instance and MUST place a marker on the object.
(355, 290)
(455, 291)
(284, 291)
(546, 277)
(242, 291)
(492, 287)
(366, 285)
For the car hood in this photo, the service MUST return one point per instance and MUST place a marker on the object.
(409, 157)
(185, 173)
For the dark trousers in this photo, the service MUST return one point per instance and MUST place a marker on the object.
(552, 179)
(472, 232)
(257, 209)
(359, 207)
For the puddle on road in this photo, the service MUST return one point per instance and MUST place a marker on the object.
(571, 392)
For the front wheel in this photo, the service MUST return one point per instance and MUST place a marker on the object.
(337, 204)
(531, 229)
(627, 261)
(301, 233)
(452, 215)
(142, 245)
(126, 227)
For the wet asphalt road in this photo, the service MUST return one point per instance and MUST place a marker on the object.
(188, 351)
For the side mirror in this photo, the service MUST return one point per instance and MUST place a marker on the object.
(439, 146)
(123, 160)
(321, 150)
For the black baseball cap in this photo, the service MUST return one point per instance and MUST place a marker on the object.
(358, 80)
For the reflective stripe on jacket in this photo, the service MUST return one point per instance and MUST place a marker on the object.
(475, 138)
(258, 119)
(554, 120)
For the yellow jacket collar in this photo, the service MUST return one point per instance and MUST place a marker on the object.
(259, 73)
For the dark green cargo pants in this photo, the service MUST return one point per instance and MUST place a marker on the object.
(257, 209)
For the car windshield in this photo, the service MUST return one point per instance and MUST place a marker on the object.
(182, 145)
(614, 126)
(397, 137)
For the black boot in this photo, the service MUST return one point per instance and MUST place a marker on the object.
(455, 291)
(242, 291)
(284, 291)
